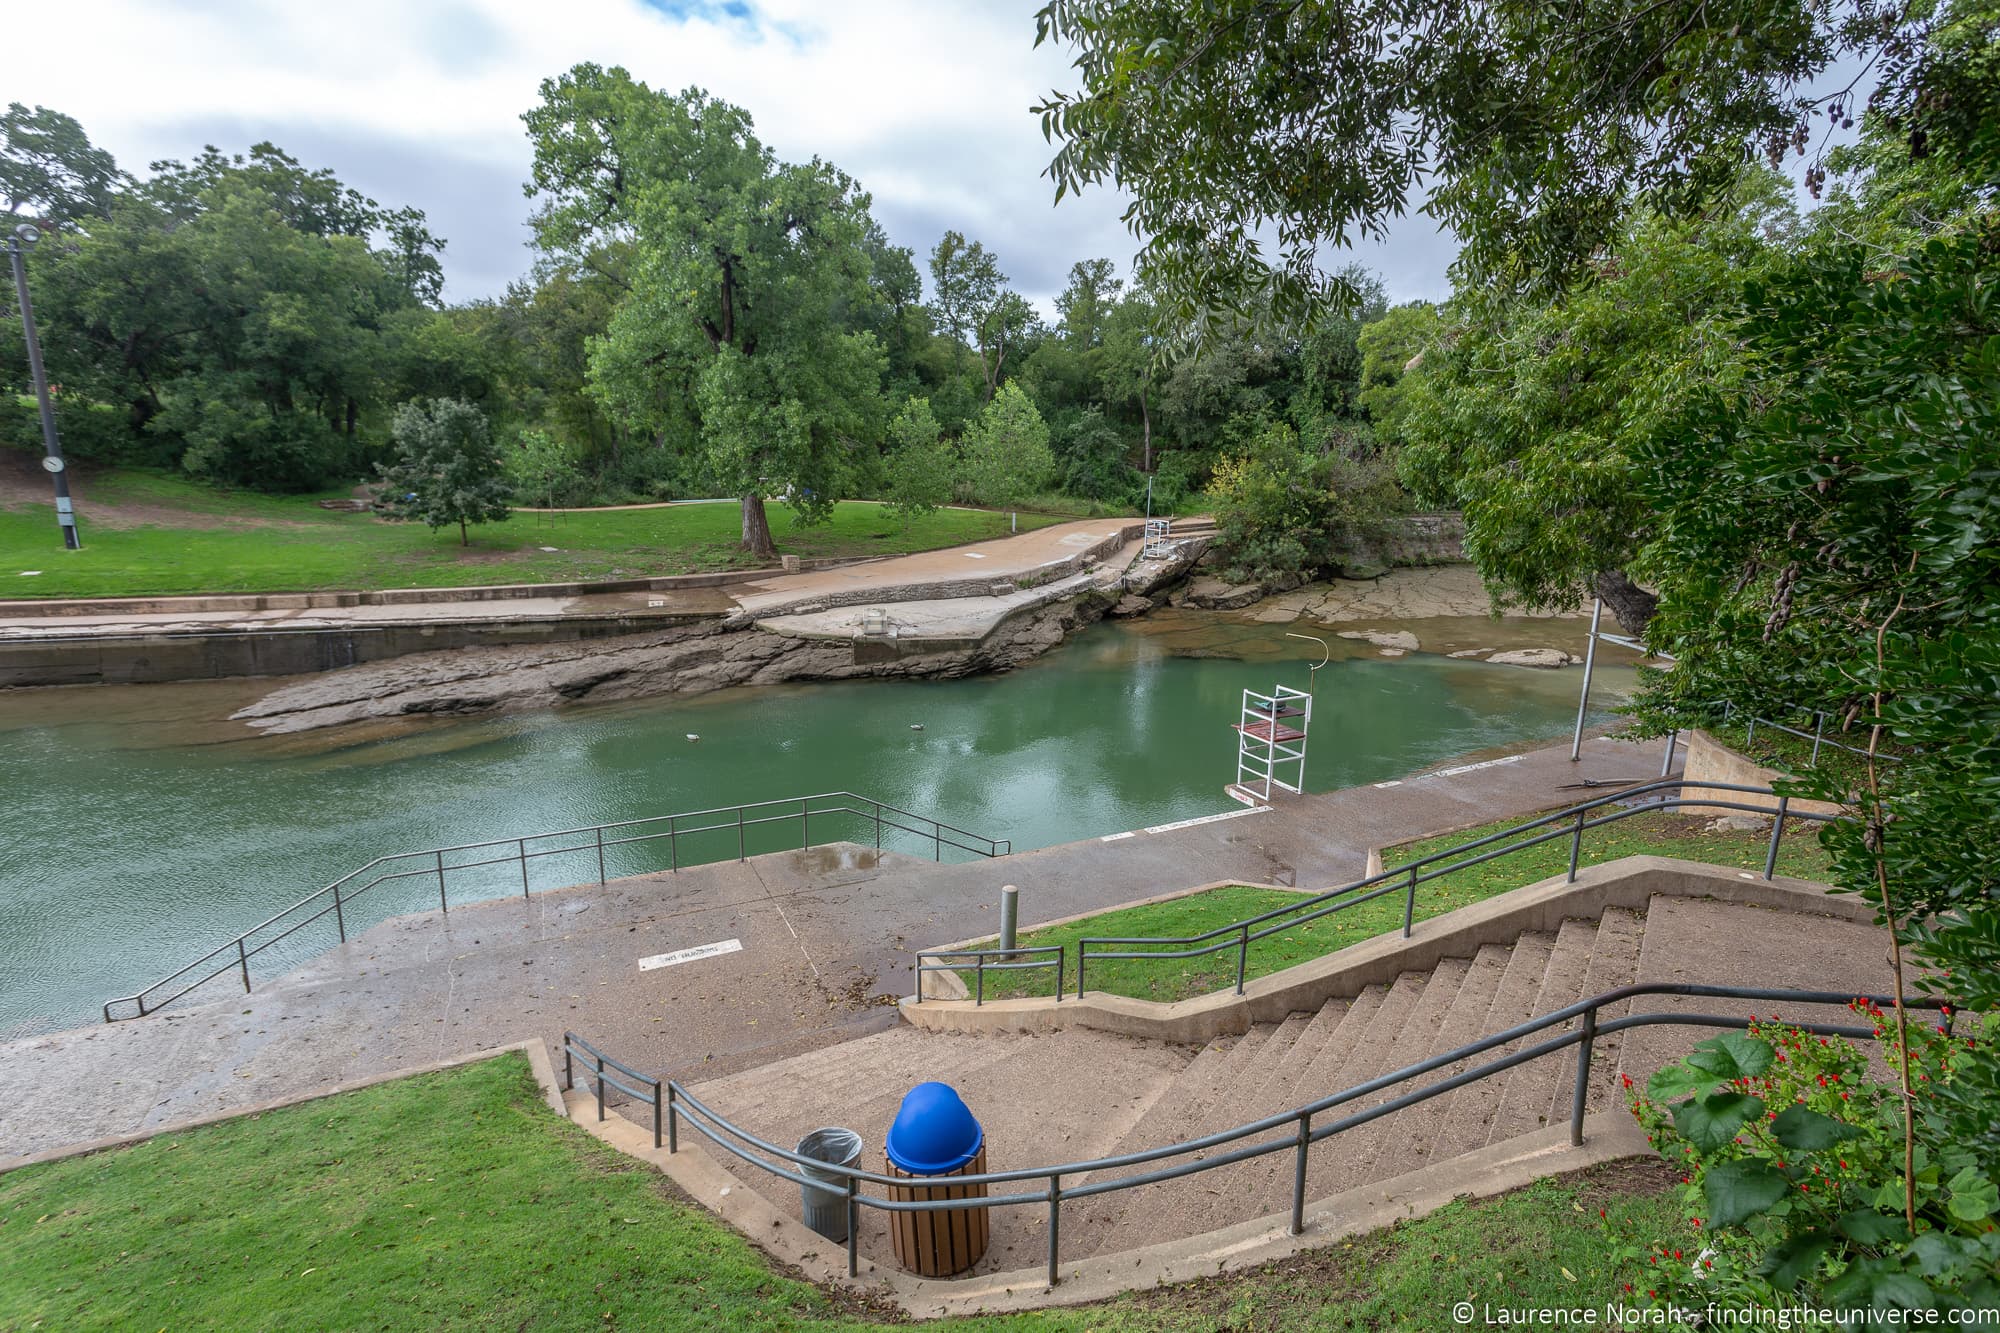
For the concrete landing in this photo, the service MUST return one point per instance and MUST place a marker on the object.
(827, 937)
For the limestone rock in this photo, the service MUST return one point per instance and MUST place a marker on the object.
(1533, 657)
(1469, 652)
(1130, 605)
(1214, 594)
(1399, 639)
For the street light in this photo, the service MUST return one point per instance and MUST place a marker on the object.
(18, 245)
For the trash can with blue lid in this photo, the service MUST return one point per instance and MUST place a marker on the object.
(825, 1209)
(935, 1135)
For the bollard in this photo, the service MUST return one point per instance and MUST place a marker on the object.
(1010, 915)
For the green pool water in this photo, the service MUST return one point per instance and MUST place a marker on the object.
(137, 832)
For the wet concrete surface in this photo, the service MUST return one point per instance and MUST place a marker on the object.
(827, 938)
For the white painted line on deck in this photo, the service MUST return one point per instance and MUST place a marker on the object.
(975, 555)
(1207, 819)
(1473, 768)
(1380, 785)
(1114, 837)
(680, 956)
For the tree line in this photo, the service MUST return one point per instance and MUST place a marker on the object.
(701, 318)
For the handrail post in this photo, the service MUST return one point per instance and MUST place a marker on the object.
(443, 906)
(521, 850)
(569, 1066)
(1582, 1091)
(600, 1087)
(878, 826)
(739, 834)
(1059, 973)
(243, 961)
(979, 978)
(1819, 728)
(1055, 1228)
(1576, 846)
(853, 1227)
(1242, 956)
(1777, 832)
(1410, 902)
(805, 825)
(1079, 969)
(674, 843)
(339, 916)
(937, 842)
(1299, 1174)
(673, 1123)
(600, 855)
(1667, 764)
(656, 1115)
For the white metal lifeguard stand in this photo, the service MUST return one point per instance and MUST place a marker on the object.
(1271, 744)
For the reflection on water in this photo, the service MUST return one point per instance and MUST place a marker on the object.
(139, 831)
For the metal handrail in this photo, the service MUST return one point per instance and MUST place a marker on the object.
(433, 863)
(980, 967)
(1576, 819)
(680, 1103)
(1817, 735)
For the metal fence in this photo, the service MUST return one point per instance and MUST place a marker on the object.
(691, 838)
(1571, 823)
(1294, 1131)
(1726, 713)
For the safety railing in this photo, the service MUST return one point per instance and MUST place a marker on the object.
(1572, 823)
(1725, 712)
(980, 967)
(693, 837)
(1296, 1131)
(606, 1071)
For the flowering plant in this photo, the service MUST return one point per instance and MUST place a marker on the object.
(1794, 1154)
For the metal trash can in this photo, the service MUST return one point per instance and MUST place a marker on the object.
(825, 1210)
(934, 1136)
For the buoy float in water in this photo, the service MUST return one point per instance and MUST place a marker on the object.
(916, 726)
(693, 737)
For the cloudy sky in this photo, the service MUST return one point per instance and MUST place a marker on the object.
(419, 102)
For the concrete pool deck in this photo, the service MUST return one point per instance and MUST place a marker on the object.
(826, 937)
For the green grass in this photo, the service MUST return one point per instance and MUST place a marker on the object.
(148, 534)
(457, 1200)
(1183, 978)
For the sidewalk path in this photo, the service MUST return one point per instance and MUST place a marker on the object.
(826, 940)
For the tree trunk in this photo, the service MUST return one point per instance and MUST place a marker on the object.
(757, 528)
(464, 537)
(1631, 605)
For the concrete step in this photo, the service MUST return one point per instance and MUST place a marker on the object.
(1614, 962)
(1380, 1149)
(1469, 1113)
(1465, 1021)
(1287, 1087)
(1342, 1162)
(1527, 1099)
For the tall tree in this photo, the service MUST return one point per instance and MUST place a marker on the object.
(745, 273)
(49, 168)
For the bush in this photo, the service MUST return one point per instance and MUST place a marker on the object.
(1006, 452)
(1795, 1175)
(1285, 512)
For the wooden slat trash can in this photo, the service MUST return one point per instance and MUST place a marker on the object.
(944, 1241)
(934, 1139)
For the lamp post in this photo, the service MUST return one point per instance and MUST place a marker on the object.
(18, 245)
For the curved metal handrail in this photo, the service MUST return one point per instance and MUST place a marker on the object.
(432, 863)
(774, 1159)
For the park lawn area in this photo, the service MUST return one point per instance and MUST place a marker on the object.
(154, 534)
(458, 1200)
(1663, 834)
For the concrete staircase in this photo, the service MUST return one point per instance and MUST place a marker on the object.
(1277, 1066)
(1078, 1093)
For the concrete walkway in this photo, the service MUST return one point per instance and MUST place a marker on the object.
(826, 938)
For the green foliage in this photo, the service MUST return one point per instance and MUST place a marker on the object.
(447, 469)
(50, 171)
(1393, 350)
(1532, 129)
(540, 469)
(920, 465)
(1805, 1203)
(1286, 512)
(1005, 455)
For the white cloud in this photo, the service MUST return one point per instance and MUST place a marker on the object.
(418, 102)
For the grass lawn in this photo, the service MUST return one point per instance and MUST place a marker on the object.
(156, 534)
(457, 1200)
(1183, 978)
